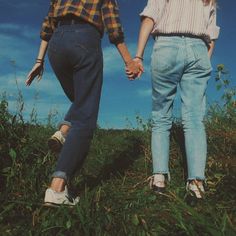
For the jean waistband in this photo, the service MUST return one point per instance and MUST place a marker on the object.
(71, 21)
(185, 35)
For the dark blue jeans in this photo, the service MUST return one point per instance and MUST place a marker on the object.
(75, 55)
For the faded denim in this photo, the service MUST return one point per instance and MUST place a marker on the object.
(182, 62)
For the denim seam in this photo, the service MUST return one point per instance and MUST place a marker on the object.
(60, 174)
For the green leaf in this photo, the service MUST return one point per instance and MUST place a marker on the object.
(6, 170)
(12, 154)
(135, 220)
(152, 198)
(218, 86)
(220, 67)
(68, 224)
(226, 82)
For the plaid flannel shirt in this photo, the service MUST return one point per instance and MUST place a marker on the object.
(101, 13)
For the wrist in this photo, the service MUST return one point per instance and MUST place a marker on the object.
(128, 61)
(139, 57)
(39, 60)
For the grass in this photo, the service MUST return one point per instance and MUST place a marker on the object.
(113, 184)
(115, 198)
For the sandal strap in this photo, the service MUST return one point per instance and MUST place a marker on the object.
(196, 188)
(156, 180)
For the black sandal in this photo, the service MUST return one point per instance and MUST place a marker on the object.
(155, 180)
(195, 193)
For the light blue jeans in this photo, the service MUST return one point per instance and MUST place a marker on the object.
(183, 62)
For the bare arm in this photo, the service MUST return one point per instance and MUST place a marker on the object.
(134, 67)
(37, 70)
(145, 30)
(124, 52)
(42, 49)
(111, 19)
(211, 48)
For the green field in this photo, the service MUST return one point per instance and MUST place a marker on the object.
(113, 184)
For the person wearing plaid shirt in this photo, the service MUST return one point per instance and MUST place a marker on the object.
(98, 13)
(71, 33)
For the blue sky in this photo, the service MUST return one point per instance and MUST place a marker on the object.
(122, 100)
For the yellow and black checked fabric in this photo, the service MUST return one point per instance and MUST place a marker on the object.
(101, 13)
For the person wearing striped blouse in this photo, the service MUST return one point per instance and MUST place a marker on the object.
(72, 32)
(184, 33)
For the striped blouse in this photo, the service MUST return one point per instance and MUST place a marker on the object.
(183, 16)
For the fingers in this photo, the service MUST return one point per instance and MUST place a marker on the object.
(134, 69)
(139, 74)
(141, 68)
(29, 79)
(37, 71)
(128, 72)
(40, 76)
(131, 76)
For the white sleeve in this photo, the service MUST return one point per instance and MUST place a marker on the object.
(151, 10)
(213, 30)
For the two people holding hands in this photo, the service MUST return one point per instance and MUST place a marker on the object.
(184, 31)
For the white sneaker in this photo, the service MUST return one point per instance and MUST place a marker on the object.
(53, 198)
(56, 141)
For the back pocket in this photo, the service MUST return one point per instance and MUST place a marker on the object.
(201, 57)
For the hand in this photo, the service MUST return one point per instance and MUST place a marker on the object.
(134, 69)
(37, 71)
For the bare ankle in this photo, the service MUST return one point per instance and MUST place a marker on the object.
(64, 130)
(58, 184)
(197, 182)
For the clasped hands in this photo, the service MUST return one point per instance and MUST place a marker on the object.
(134, 68)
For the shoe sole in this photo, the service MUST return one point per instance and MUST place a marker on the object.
(54, 205)
(158, 190)
(54, 145)
(49, 204)
(191, 199)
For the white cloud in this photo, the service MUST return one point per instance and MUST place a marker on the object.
(46, 85)
(45, 96)
(43, 109)
(16, 44)
(17, 49)
(19, 29)
(113, 63)
(9, 26)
